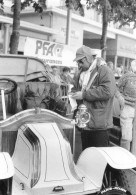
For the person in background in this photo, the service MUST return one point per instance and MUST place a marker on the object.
(65, 76)
(68, 83)
(127, 88)
(56, 76)
(118, 71)
(95, 86)
(118, 101)
(110, 65)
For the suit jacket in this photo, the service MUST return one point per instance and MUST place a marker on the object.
(99, 98)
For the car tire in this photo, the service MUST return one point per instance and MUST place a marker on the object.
(116, 190)
(118, 180)
(127, 179)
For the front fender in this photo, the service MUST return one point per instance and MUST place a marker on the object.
(92, 161)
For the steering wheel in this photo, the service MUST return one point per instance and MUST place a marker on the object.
(7, 85)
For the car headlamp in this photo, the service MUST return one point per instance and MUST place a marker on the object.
(82, 116)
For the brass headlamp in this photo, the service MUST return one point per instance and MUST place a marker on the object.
(82, 116)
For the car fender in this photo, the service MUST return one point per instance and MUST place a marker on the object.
(92, 161)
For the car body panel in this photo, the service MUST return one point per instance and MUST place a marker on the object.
(55, 165)
(92, 161)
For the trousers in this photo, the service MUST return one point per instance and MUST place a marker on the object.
(94, 138)
(126, 122)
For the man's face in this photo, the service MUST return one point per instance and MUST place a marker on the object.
(54, 71)
(83, 64)
(66, 73)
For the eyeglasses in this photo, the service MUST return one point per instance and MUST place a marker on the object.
(80, 61)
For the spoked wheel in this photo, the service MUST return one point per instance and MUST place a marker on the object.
(114, 183)
(114, 191)
(8, 86)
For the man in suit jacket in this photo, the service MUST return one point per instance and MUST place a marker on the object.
(95, 86)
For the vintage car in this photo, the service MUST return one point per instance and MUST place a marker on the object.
(41, 159)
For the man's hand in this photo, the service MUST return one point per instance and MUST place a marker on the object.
(120, 99)
(122, 102)
(77, 95)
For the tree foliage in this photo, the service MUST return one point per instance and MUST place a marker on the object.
(76, 5)
(37, 5)
(121, 11)
(16, 8)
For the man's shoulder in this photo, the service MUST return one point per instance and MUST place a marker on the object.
(105, 70)
(128, 79)
(128, 76)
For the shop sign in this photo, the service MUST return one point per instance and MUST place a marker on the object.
(74, 34)
(126, 47)
(51, 53)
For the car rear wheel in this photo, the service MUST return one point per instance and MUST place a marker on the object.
(127, 178)
(117, 182)
(114, 191)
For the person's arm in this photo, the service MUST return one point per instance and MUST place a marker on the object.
(122, 82)
(75, 82)
(104, 90)
(120, 99)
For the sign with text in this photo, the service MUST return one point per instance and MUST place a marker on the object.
(126, 47)
(51, 53)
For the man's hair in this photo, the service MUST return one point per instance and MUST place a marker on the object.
(54, 66)
(66, 69)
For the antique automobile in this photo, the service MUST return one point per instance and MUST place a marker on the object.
(42, 159)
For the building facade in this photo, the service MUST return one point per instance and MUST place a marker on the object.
(52, 26)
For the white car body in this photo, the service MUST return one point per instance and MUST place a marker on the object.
(43, 159)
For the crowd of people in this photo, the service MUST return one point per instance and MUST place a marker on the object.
(60, 77)
(118, 71)
(124, 103)
(127, 89)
